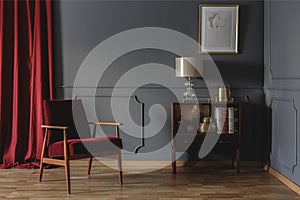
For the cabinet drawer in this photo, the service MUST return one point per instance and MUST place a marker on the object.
(224, 145)
(184, 141)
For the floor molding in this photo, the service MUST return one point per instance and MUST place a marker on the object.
(293, 186)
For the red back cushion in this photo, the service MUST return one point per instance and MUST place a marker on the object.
(66, 113)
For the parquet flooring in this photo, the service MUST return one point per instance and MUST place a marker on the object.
(201, 182)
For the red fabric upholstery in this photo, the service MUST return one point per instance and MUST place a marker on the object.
(71, 113)
(99, 146)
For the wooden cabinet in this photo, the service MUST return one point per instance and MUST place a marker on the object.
(223, 135)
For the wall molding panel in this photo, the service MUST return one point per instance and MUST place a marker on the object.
(276, 71)
(284, 111)
(282, 84)
(139, 114)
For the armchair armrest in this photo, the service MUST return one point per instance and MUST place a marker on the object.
(106, 124)
(46, 127)
(55, 127)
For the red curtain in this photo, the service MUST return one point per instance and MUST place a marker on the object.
(25, 79)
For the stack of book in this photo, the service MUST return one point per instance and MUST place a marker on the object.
(226, 120)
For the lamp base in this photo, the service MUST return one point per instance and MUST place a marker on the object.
(189, 95)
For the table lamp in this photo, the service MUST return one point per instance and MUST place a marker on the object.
(188, 67)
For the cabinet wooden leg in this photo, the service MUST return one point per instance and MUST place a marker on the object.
(174, 167)
(173, 161)
(238, 154)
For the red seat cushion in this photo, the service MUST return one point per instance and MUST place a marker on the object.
(93, 146)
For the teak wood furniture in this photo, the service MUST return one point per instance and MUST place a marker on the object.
(67, 136)
(190, 139)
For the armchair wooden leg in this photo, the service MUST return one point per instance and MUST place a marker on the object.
(67, 170)
(43, 155)
(41, 171)
(67, 162)
(90, 165)
(120, 168)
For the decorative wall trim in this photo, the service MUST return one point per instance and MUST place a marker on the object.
(281, 89)
(267, 34)
(142, 144)
(272, 105)
(149, 87)
(272, 74)
(142, 114)
(273, 77)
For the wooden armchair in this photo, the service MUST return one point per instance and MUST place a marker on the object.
(68, 137)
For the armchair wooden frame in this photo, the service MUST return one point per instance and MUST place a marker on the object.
(66, 158)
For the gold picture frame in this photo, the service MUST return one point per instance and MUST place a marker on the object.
(218, 28)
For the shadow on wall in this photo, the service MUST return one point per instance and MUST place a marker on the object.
(57, 52)
(239, 74)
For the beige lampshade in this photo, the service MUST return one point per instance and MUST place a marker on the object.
(189, 67)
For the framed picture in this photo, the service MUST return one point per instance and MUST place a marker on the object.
(218, 28)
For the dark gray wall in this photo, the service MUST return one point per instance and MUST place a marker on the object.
(80, 26)
(282, 84)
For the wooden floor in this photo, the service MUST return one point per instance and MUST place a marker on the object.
(201, 182)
